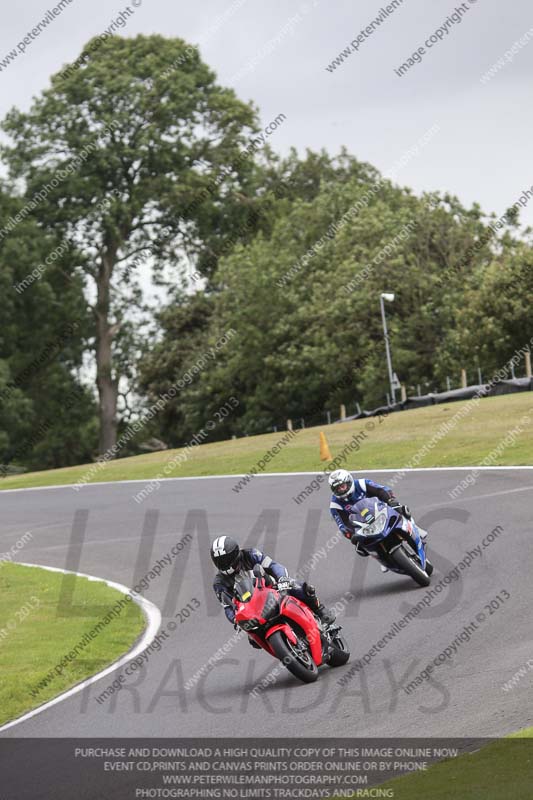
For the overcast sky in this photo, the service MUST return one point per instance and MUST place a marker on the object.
(276, 54)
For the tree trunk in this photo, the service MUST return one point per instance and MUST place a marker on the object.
(105, 380)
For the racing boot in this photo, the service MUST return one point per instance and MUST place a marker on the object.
(325, 615)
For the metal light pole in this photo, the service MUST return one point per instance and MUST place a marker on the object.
(389, 296)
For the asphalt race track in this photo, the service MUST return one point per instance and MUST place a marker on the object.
(101, 530)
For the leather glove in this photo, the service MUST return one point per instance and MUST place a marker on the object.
(284, 584)
(401, 509)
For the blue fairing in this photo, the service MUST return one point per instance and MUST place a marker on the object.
(394, 521)
(341, 506)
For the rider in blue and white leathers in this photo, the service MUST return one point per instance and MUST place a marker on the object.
(346, 492)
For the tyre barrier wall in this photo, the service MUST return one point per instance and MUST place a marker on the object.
(480, 390)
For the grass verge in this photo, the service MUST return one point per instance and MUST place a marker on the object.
(486, 428)
(38, 628)
(502, 770)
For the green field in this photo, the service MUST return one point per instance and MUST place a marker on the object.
(502, 770)
(39, 626)
(391, 444)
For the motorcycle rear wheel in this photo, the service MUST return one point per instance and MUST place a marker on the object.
(340, 654)
(304, 669)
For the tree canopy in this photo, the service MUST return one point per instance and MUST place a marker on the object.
(142, 162)
(304, 298)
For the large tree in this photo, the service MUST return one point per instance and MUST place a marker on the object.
(141, 160)
(47, 416)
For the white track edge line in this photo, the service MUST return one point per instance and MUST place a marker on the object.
(257, 475)
(152, 615)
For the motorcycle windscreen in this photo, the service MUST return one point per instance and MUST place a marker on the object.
(370, 519)
(364, 508)
(244, 586)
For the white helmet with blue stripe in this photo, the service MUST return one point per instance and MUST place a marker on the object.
(341, 483)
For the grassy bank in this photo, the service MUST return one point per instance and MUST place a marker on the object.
(502, 770)
(389, 445)
(37, 631)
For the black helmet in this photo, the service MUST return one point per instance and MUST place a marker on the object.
(225, 553)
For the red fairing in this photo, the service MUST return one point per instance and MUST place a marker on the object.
(264, 642)
(253, 609)
(289, 633)
(292, 608)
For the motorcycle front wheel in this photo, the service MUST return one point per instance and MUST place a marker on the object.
(296, 658)
(410, 567)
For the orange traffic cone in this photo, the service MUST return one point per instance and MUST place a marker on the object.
(325, 452)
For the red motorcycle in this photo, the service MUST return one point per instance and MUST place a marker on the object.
(285, 627)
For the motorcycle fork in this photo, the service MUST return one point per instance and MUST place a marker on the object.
(410, 541)
(385, 555)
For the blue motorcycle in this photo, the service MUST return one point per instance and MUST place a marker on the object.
(385, 533)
